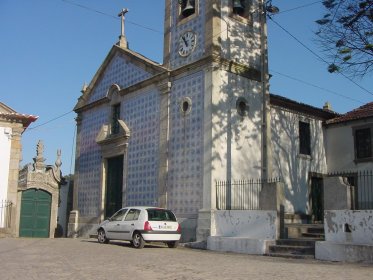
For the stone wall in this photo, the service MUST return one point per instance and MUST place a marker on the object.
(348, 236)
(348, 226)
(254, 224)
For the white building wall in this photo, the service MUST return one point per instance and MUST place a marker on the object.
(340, 148)
(236, 139)
(5, 146)
(288, 164)
(239, 35)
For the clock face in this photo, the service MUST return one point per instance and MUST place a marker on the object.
(187, 43)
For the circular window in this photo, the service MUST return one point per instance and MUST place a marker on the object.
(242, 106)
(185, 105)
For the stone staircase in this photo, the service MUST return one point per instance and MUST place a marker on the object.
(299, 241)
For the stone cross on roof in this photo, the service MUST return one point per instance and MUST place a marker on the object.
(122, 38)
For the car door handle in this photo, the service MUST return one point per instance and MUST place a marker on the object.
(118, 224)
(132, 224)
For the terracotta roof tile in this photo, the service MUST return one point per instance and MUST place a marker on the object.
(23, 118)
(365, 111)
(301, 107)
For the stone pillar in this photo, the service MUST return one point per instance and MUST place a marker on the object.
(165, 89)
(77, 156)
(337, 194)
(72, 227)
(272, 198)
(15, 159)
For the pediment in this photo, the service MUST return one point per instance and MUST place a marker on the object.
(6, 109)
(122, 67)
(105, 137)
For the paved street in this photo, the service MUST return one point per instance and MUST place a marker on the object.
(86, 259)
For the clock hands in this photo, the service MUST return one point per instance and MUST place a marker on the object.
(185, 41)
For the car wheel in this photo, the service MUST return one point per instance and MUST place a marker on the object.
(137, 241)
(101, 237)
(173, 244)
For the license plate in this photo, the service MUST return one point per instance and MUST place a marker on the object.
(165, 227)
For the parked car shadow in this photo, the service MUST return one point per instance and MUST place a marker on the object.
(128, 244)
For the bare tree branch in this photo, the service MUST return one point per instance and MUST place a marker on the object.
(345, 35)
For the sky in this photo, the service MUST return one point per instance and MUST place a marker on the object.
(50, 48)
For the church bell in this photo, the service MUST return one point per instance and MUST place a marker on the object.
(238, 8)
(188, 9)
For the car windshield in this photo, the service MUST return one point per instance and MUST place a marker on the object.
(160, 215)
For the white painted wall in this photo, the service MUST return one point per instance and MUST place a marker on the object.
(288, 164)
(347, 226)
(5, 146)
(236, 140)
(237, 36)
(340, 148)
(239, 223)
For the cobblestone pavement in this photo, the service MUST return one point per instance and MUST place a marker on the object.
(22, 258)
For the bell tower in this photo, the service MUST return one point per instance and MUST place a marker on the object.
(227, 29)
(218, 102)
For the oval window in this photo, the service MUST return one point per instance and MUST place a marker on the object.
(242, 106)
(185, 105)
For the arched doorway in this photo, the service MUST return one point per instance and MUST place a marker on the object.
(35, 213)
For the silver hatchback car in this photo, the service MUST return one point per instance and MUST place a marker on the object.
(140, 225)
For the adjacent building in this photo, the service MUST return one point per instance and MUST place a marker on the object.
(12, 125)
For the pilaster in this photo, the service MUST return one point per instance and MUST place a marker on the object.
(165, 89)
(77, 156)
(15, 159)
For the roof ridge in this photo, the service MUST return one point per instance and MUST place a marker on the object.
(362, 112)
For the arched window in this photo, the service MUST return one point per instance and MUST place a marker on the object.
(187, 8)
(241, 8)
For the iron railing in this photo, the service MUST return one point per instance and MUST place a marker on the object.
(362, 187)
(240, 194)
(5, 213)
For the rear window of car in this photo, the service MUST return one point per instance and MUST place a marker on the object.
(160, 215)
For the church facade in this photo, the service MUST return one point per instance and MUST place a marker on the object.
(164, 134)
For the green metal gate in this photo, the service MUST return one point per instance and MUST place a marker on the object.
(35, 213)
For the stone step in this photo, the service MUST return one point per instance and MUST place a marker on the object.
(295, 230)
(289, 255)
(298, 241)
(297, 218)
(305, 226)
(292, 249)
(314, 235)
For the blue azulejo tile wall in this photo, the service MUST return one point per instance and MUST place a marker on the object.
(121, 72)
(186, 145)
(197, 25)
(89, 162)
(141, 113)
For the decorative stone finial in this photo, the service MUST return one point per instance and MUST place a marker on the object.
(39, 159)
(58, 162)
(122, 38)
(84, 88)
